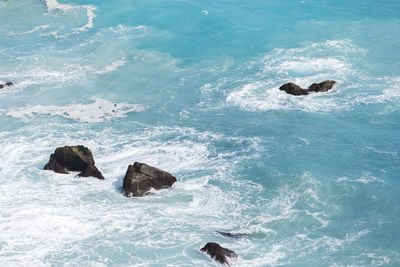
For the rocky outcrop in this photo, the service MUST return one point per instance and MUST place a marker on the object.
(218, 253)
(73, 158)
(321, 87)
(294, 89)
(140, 178)
(6, 84)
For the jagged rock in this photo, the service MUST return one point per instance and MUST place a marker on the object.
(6, 84)
(73, 158)
(140, 178)
(232, 235)
(293, 89)
(321, 87)
(219, 253)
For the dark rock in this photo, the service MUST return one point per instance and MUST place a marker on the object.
(6, 84)
(321, 87)
(219, 253)
(293, 89)
(140, 178)
(232, 235)
(73, 158)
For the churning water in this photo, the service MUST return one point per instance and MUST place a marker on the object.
(191, 87)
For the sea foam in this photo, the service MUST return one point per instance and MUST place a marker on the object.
(98, 111)
(54, 5)
(94, 208)
(304, 66)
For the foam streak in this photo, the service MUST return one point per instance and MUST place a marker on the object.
(54, 5)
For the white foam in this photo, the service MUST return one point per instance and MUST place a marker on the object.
(392, 153)
(38, 28)
(313, 65)
(329, 57)
(305, 65)
(297, 248)
(263, 96)
(90, 14)
(302, 66)
(98, 111)
(35, 29)
(317, 216)
(54, 216)
(55, 34)
(366, 178)
(97, 209)
(378, 260)
(123, 29)
(54, 5)
(31, 70)
(113, 66)
(304, 140)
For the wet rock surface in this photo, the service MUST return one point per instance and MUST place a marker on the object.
(294, 89)
(140, 178)
(218, 253)
(73, 158)
(321, 87)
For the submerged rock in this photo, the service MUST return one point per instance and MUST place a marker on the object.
(293, 89)
(321, 87)
(73, 158)
(218, 253)
(140, 178)
(232, 235)
(6, 84)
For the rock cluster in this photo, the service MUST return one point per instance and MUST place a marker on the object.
(294, 89)
(138, 180)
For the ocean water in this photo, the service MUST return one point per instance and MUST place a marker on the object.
(191, 87)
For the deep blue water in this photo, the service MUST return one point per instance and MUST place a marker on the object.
(191, 87)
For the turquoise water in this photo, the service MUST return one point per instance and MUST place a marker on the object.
(192, 88)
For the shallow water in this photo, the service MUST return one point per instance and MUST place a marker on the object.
(192, 88)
